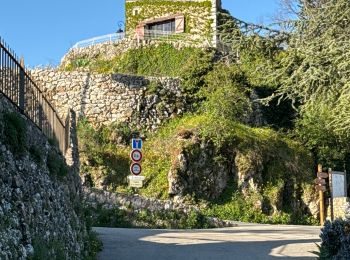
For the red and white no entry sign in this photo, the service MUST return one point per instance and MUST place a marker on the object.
(136, 155)
(135, 168)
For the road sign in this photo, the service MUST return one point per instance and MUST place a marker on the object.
(320, 181)
(136, 156)
(321, 188)
(322, 175)
(136, 178)
(135, 168)
(136, 183)
(136, 144)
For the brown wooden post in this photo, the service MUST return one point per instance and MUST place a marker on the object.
(321, 195)
(330, 175)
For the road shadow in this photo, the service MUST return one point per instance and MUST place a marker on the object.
(202, 245)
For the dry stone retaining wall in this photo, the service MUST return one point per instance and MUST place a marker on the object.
(110, 200)
(36, 209)
(103, 99)
(110, 50)
(341, 208)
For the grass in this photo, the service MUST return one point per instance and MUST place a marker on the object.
(160, 60)
(285, 166)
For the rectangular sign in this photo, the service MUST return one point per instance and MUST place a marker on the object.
(136, 178)
(136, 183)
(322, 175)
(338, 184)
(136, 144)
(320, 181)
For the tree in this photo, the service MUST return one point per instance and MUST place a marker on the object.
(314, 73)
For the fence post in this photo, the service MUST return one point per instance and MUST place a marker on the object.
(41, 111)
(321, 196)
(21, 85)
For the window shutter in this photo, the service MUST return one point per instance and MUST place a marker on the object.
(180, 24)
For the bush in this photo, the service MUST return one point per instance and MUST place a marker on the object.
(335, 240)
(227, 93)
(15, 132)
(121, 218)
(45, 250)
(103, 152)
(56, 165)
(36, 154)
(110, 217)
(94, 246)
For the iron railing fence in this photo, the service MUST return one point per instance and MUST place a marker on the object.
(144, 35)
(110, 38)
(17, 85)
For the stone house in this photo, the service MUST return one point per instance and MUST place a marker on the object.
(155, 18)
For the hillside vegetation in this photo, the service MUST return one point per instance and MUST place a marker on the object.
(237, 157)
(269, 176)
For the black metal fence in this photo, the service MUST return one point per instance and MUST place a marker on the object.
(17, 85)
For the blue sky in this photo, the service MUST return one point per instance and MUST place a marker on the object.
(43, 30)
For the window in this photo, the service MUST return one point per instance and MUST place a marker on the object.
(136, 11)
(164, 26)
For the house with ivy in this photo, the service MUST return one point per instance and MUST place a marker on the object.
(153, 18)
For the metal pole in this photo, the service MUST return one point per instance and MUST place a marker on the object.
(321, 195)
(21, 86)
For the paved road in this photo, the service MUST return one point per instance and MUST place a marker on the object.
(258, 242)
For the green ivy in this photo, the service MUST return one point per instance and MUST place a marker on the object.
(156, 8)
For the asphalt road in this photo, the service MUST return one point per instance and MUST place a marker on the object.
(258, 242)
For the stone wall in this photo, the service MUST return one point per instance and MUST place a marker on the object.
(341, 208)
(109, 50)
(106, 51)
(102, 99)
(38, 210)
(110, 200)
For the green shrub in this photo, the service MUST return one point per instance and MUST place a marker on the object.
(36, 154)
(226, 92)
(15, 133)
(146, 219)
(110, 217)
(56, 165)
(103, 151)
(53, 249)
(335, 240)
(77, 63)
(116, 133)
(94, 245)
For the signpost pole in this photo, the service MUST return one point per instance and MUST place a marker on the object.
(321, 194)
(331, 190)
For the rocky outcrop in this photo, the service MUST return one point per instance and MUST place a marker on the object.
(40, 213)
(270, 184)
(103, 99)
(196, 170)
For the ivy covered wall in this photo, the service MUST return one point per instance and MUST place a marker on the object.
(199, 18)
